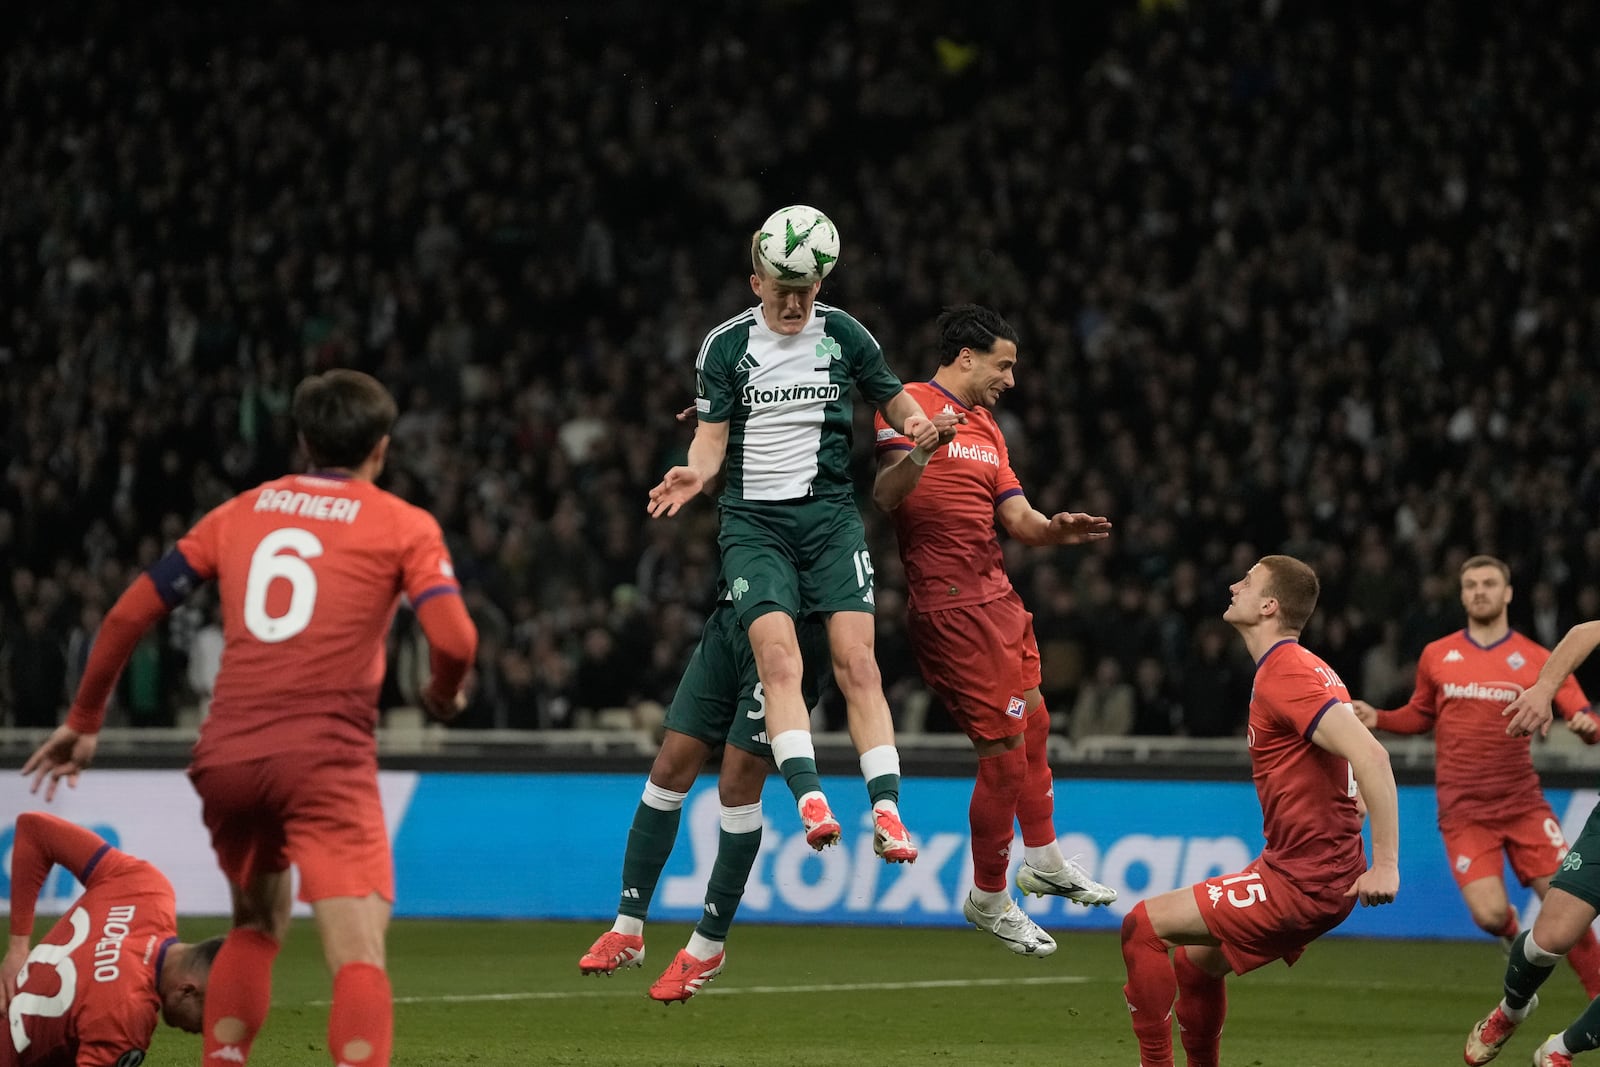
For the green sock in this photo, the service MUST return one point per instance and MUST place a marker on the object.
(649, 844)
(736, 854)
(1523, 978)
(884, 787)
(800, 772)
(1584, 1033)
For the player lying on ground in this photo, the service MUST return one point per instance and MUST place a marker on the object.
(89, 993)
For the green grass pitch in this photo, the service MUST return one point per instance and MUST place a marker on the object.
(492, 993)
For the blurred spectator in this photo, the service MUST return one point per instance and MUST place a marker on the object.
(518, 220)
(1106, 703)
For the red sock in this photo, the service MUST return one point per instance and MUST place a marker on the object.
(1151, 989)
(1585, 959)
(238, 994)
(1511, 928)
(993, 814)
(1202, 1005)
(1036, 805)
(361, 1024)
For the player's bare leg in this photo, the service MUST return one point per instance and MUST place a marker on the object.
(240, 990)
(361, 1022)
(776, 649)
(855, 670)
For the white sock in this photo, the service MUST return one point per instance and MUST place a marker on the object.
(702, 948)
(1556, 1043)
(792, 744)
(1047, 858)
(879, 761)
(1537, 956)
(889, 806)
(1517, 1015)
(662, 799)
(627, 924)
(990, 903)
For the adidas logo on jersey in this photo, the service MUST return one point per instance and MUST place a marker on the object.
(760, 738)
(747, 364)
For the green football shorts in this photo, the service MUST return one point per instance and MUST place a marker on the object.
(802, 558)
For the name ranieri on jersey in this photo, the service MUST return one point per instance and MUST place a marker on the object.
(308, 505)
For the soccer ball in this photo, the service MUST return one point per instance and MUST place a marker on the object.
(798, 245)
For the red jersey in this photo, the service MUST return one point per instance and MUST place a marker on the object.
(1481, 774)
(87, 996)
(945, 525)
(1307, 793)
(309, 570)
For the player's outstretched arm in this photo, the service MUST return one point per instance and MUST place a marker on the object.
(681, 484)
(1531, 711)
(69, 751)
(41, 842)
(1340, 732)
(1033, 527)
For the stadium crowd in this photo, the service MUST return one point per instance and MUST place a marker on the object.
(1318, 280)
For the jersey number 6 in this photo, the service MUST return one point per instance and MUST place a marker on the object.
(281, 554)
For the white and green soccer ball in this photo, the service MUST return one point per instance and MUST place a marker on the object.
(798, 245)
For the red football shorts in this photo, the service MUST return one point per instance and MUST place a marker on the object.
(980, 659)
(321, 813)
(1259, 916)
(1533, 842)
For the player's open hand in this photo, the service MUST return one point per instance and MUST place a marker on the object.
(1527, 713)
(1076, 528)
(948, 423)
(64, 754)
(1366, 713)
(1378, 885)
(679, 486)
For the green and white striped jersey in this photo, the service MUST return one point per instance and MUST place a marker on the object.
(787, 401)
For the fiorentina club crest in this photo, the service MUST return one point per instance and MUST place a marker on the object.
(1515, 661)
(1016, 707)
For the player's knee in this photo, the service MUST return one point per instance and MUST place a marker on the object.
(856, 670)
(1136, 924)
(778, 665)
